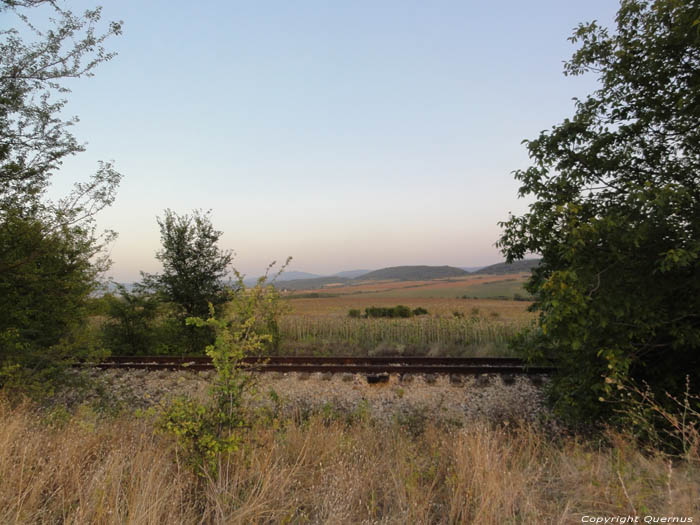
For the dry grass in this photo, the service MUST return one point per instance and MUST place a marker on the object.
(115, 471)
(88, 471)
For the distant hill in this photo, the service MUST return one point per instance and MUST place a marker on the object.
(470, 269)
(413, 273)
(291, 275)
(351, 274)
(297, 281)
(294, 275)
(503, 268)
(310, 284)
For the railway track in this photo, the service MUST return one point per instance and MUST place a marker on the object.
(372, 366)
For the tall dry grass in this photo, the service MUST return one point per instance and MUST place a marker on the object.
(108, 471)
(88, 471)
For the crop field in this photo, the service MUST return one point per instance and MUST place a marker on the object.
(338, 306)
(471, 286)
(465, 317)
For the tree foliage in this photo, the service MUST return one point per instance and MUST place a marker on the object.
(130, 328)
(50, 252)
(195, 274)
(43, 301)
(616, 213)
(35, 136)
(206, 431)
(194, 267)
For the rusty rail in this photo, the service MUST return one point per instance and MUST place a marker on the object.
(356, 365)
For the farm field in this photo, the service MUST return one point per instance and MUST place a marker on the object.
(472, 286)
(466, 316)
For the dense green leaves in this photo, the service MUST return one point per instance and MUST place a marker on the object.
(194, 267)
(130, 328)
(50, 252)
(44, 288)
(195, 274)
(206, 431)
(616, 212)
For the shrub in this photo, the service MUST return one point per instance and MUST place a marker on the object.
(130, 329)
(46, 279)
(669, 426)
(402, 311)
(397, 311)
(205, 431)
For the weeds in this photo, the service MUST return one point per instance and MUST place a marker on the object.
(89, 469)
(673, 426)
(207, 431)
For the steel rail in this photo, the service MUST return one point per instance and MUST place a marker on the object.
(326, 360)
(357, 365)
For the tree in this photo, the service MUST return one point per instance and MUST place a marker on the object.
(130, 329)
(43, 301)
(616, 214)
(194, 268)
(50, 252)
(35, 137)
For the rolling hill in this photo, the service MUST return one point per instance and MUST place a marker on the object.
(351, 274)
(470, 269)
(311, 284)
(294, 275)
(504, 268)
(413, 273)
(401, 273)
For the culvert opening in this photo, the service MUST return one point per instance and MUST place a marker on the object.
(377, 378)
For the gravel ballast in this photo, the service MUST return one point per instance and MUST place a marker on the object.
(452, 398)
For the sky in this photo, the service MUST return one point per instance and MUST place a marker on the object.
(347, 135)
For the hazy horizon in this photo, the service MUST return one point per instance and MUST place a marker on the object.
(292, 269)
(350, 136)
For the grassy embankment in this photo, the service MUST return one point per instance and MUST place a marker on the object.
(116, 470)
(468, 316)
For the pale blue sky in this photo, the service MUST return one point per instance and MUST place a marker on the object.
(346, 134)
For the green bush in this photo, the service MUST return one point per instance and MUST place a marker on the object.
(205, 431)
(520, 297)
(396, 311)
(130, 328)
(46, 278)
(402, 311)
